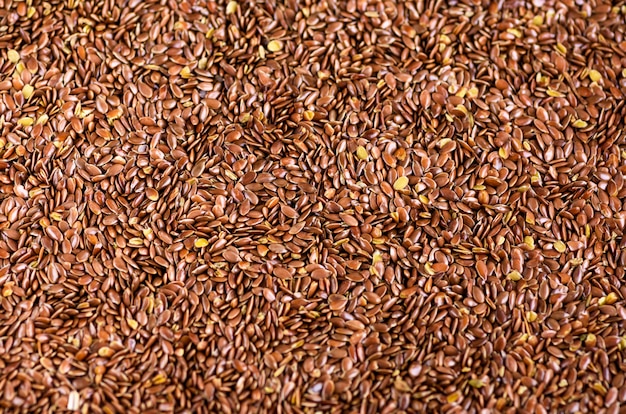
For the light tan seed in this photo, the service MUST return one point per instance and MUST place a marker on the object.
(231, 8)
(13, 56)
(560, 247)
(401, 183)
(361, 153)
(275, 46)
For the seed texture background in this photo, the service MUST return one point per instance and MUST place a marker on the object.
(312, 206)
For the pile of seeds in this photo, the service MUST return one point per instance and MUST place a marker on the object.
(308, 206)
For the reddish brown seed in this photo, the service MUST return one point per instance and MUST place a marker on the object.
(54, 233)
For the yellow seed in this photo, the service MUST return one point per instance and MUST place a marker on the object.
(30, 12)
(476, 383)
(611, 298)
(231, 8)
(377, 257)
(554, 94)
(576, 261)
(514, 275)
(559, 246)
(56, 216)
(200, 243)
(361, 153)
(599, 387)
(136, 241)
(274, 46)
(309, 115)
(42, 119)
(531, 316)
(324, 74)
(442, 142)
(590, 339)
(159, 379)
(133, 324)
(563, 383)
(472, 92)
(535, 178)
(561, 48)
(423, 199)
(503, 153)
(595, 76)
(579, 123)
(185, 72)
(507, 217)
(515, 32)
(27, 91)
(147, 232)
(453, 397)
(538, 20)
(230, 174)
(105, 352)
(7, 291)
(13, 56)
(401, 183)
(26, 121)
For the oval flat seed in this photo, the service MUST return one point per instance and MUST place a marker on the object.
(349, 220)
(274, 46)
(54, 233)
(560, 247)
(13, 56)
(152, 194)
(401, 183)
